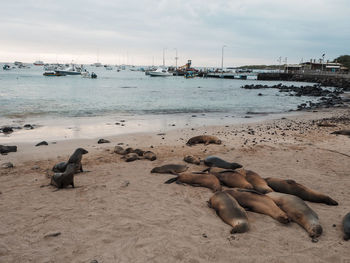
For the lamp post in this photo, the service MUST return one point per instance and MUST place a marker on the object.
(222, 59)
(322, 62)
(176, 58)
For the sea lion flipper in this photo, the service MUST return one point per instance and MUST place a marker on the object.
(172, 180)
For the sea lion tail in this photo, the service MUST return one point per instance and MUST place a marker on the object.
(172, 180)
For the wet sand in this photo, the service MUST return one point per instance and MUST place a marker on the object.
(120, 212)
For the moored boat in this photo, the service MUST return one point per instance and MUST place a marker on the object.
(160, 72)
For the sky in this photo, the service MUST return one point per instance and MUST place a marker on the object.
(137, 32)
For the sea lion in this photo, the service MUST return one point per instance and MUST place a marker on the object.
(74, 158)
(149, 155)
(192, 159)
(298, 211)
(62, 180)
(198, 179)
(231, 178)
(206, 139)
(258, 183)
(60, 167)
(228, 209)
(130, 157)
(139, 152)
(258, 203)
(6, 149)
(128, 150)
(346, 226)
(293, 188)
(119, 150)
(342, 132)
(170, 169)
(213, 161)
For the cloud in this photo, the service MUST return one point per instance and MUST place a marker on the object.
(252, 30)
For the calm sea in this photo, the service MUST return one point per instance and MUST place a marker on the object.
(27, 93)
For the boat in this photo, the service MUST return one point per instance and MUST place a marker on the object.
(71, 70)
(38, 63)
(107, 67)
(160, 72)
(87, 75)
(6, 67)
(52, 74)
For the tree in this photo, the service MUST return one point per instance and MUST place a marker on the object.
(344, 60)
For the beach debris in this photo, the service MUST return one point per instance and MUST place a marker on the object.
(7, 165)
(206, 139)
(6, 149)
(192, 159)
(170, 169)
(52, 234)
(103, 141)
(42, 143)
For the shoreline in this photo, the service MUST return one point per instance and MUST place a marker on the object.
(119, 212)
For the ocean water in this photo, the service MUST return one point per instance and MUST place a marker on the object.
(26, 93)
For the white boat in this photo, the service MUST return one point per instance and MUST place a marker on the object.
(71, 70)
(160, 72)
(38, 63)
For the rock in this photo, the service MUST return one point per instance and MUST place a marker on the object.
(7, 165)
(35, 167)
(7, 130)
(6, 149)
(125, 184)
(103, 141)
(42, 143)
(28, 126)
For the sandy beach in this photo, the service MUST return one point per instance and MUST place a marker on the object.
(120, 212)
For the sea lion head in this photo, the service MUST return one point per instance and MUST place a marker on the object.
(82, 151)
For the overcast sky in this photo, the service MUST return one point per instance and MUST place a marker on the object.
(135, 32)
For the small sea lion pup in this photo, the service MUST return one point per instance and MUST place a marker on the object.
(149, 155)
(299, 212)
(258, 203)
(213, 161)
(293, 188)
(62, 180)
(170, 169)
(231, 178)
(206, 139)
(258, 183)
(75, 159)
(192, 159)
(230, 212)
(198, 179)
(346, 226)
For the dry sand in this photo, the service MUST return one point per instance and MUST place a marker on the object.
(120, 212)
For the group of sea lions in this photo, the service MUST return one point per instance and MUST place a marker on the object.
(283, 200)
(130, 154)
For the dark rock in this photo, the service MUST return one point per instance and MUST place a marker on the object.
(7, 130)
(28, 126)
(103, 141)
(42, 143)
(6, 149)
(53, 234)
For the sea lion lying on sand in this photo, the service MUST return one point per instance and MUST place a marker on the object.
(342, 132)
(149, 155)
(228, 209)
(258, 183)
(299, 212)
(293, 188)
(231, 178)
(198, 179)
(206, 139)
(170, 169)
(346, 226)
(62, 180)
(213, 161)
(258, 203)
(75, 158)
(192, 159)
(130, 157)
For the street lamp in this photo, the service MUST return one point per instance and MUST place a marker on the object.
(176, 58)
(222, 58)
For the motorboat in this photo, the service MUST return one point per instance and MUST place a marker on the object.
(6, 67)
(38, 63)
(87, 75)
(52, 74)
(71, 70)
(160, 72)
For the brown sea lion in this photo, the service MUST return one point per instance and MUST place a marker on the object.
(119, 150)
(170, 169)
(293, 188)
(231, 178)
(258, 203)
(298, 211)
(213, 161)
(230, 212)
(149, 155)
(346, 226)
(62, 180)
(258, 183)
(75, 158)
(59, 167)
(342, 132)
(198, 179)
(130, 157)
(206, 139)
(192, 159)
